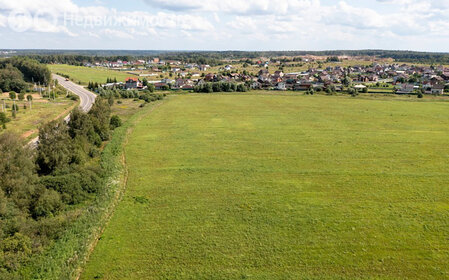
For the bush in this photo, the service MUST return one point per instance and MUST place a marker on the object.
(48, 204)
(420, 95)
(3, 120)
(16, 251)
(74, 97)
(68, 186)
(115, 122)
(12, 95)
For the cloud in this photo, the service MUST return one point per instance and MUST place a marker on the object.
(231, 24)
(113, 33)
(261, 7)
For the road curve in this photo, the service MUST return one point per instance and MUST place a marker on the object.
(87, 99)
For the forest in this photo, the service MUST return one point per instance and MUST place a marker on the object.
(213, 58)
(16, 72)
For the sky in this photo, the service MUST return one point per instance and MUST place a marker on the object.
(421, 25)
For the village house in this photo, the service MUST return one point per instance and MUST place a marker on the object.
(210, 77)
(281, 86)
(161, 86)
(406, 89)
(436, 89)
(133, 83)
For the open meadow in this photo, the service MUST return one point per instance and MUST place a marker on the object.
(282, 187)
(84, 75)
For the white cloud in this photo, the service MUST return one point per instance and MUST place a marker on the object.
(113, 33)
(282, 7)
(233, 24)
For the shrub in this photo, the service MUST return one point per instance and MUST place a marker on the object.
(12, 95)
(16, 251)
(115, 122)
(3, 120)
(68, 186)
(48, 204)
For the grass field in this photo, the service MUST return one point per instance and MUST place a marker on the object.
(28, 120)
(84, 75)
(282, 187)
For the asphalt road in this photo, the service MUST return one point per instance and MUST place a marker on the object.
(87, 99)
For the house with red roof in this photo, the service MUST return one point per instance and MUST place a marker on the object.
(133, 83)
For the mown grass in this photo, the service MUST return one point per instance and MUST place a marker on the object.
(84, 75)
(283, 187)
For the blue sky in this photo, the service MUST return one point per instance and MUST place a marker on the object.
(225, 24)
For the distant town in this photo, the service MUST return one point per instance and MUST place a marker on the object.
(255, 75)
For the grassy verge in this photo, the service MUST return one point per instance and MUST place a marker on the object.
(64, 258)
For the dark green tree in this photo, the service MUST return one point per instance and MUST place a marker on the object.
(54, 151)
(17, 170)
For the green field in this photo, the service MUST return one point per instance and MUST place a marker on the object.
(84, 75)
(282, 187)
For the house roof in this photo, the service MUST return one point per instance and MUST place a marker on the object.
(131, 79)
(438, 86)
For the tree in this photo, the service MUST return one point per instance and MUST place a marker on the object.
(145, 82)
(3, 120)
(54, 151)
(11, 79)
(100, 115)
(17, 170)
(29, 97)
(12, 95)
(111, 100)
(21, 96)
(151, 87)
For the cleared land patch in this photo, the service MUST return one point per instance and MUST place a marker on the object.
(282, 187)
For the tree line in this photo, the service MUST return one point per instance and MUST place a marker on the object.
(215, 58)
(42, 190)
(17, 72)
(220, 87)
